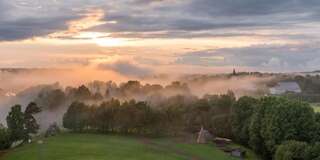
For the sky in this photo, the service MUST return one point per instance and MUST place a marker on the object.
(160, 36)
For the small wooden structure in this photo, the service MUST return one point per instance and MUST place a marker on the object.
(222, 142)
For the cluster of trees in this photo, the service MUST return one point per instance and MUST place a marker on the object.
(111, 116)
(20, 125)
(298, 150)
(276, 127)
(172, 116)
(53, 97)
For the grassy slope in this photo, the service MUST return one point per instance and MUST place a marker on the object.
(108, 147)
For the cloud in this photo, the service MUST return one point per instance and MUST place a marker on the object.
(31, 27)
(251, 7)
(141, 18)
(91, 18)
(206, 58)
(209, 15)
(216, 22)
(26, 19)
(260, 57)
(126, 68)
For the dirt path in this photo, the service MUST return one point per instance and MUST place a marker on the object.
(168, 148)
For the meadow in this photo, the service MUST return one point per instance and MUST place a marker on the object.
(69, 146)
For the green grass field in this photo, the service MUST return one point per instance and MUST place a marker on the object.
(109, 147)
(316, 107)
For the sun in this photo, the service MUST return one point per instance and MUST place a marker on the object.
(101, 39)
(109, 42)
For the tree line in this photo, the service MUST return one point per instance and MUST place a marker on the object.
(173, 116)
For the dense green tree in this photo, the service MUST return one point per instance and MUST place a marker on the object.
(312, 152)
(241, 118)
(130, 88)
(316, 136)
(77, 117)
(256, 141)
(193, 116)
(276, 120)
(287, 120)
(222, 103)
(82, 93)
(97, 96)
(51, 99)
(291, 150)
(127, 120)
(106, 115)
(16, 125)
(220, 125)
(178, 88)
(31, 125)
(175, 118)
(5, 141)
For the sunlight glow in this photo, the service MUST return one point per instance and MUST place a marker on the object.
(101, 39)
(109, 42)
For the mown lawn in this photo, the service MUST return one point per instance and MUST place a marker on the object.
(110, 147)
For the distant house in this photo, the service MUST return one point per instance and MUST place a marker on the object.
(283, 87)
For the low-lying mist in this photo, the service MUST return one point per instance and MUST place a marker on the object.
(21, 86)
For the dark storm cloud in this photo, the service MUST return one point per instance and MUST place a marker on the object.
(262, 57)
